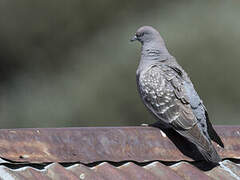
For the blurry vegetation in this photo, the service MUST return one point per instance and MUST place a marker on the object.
(70, 63)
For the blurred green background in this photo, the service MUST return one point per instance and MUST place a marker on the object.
(70, 63)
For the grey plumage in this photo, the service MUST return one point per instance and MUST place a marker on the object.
(169, 94)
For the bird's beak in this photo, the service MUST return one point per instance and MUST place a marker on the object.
(134, 38)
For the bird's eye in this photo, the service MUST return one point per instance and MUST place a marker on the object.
(139, 34)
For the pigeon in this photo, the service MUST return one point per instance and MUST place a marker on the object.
(167, 91)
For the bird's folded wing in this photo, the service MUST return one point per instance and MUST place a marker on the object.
(162, 92)
(197, 106)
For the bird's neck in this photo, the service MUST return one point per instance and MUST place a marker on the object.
(154, 51)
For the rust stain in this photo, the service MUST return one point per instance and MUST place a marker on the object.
(89, 145)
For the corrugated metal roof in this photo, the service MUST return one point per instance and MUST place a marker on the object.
(108, 153)
(128, 171)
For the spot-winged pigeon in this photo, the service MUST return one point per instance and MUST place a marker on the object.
(169, 94)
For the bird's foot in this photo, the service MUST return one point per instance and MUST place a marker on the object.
(145, 125)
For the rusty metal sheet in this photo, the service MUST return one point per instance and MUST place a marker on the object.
(234, 167)
(228, 172)
(128, 170)
(57, 172)
(162, 171)
(84, 172)
(6, 173)
(31, 173)
(188, 171)
(89, 145)
(135, 172)
(108, 171)
(231, 139)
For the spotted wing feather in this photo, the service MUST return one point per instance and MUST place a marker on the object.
(163, 92)
(198, 108)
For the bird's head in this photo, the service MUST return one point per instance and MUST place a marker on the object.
(146, 34)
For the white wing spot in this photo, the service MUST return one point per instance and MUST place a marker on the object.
(166, 100)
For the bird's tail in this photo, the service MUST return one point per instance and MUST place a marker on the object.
(210, 155)
(212, 133)
(203, 144)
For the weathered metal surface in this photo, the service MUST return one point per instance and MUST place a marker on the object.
(234, 167)
(30, 173)
(88, 145)
(127, 171)
(188, 171)
(91, 145)
(162, 171)
(231, 139)
(84, 172)
(226, 172)
(108, 171)
(58, 172)
(135, 172)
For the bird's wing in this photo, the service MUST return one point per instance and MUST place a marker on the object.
(163, 92)
(198, 108)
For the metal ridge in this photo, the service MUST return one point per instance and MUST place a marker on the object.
(92, 144)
